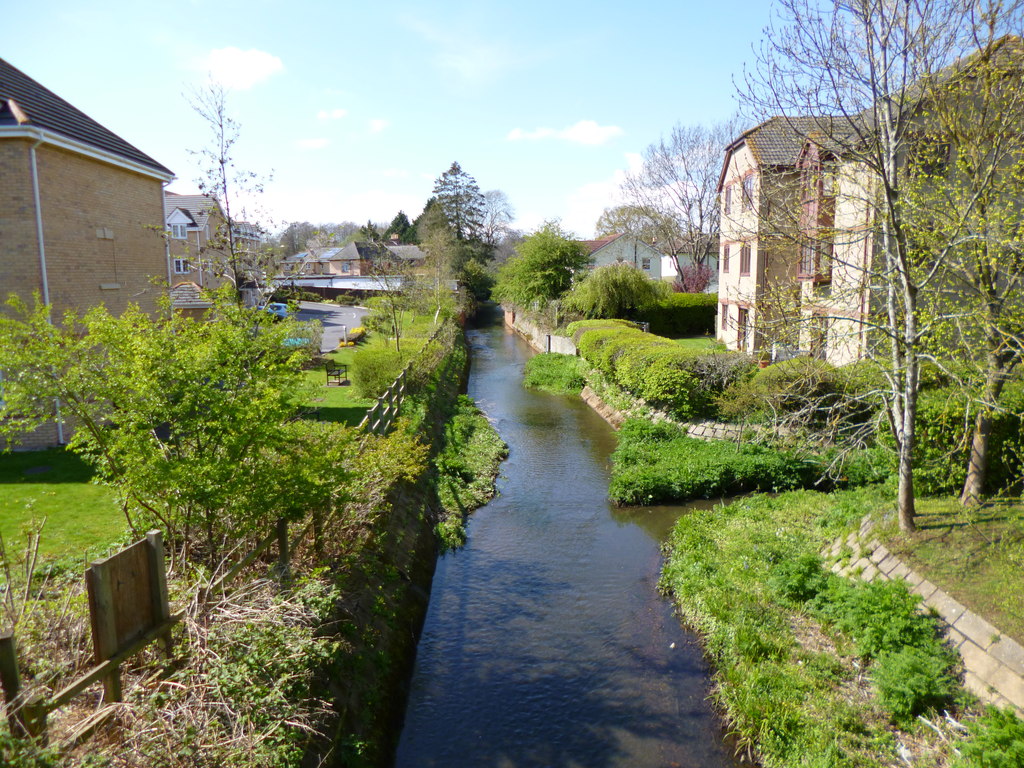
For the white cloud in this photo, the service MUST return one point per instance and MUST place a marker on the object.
(584, 132)
(313, 143)
(235, 68)
(331, 114)
(378, 125)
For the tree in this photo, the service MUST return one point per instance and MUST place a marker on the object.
(460, 200)
(542, 269)
(496, 219)
(188, 420)
(968, 184)
(402, 227)
(614, 291)
(243, 263)
(860, 69)
(643, 224)
(673, 197)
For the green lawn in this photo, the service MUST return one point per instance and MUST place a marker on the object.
(54, 484)
(338, 404)
(701, 343)
(977, 556)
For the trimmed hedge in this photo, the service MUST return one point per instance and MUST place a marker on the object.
(682, 314)
(684, 382)
(657, 463)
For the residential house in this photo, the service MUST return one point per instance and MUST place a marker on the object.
(357, 259)
(199, 252)
(758, 262)
(81, 209)
(618, 248)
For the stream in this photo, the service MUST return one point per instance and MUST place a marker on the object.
(546, 642)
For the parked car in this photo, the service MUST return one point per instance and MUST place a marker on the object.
(277, 309)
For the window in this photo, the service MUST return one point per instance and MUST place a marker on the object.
(745, 259)
(724, 313)
(816, 261)
(741, 327)
(346, 267)
(646, 264)
(748, 193)
(728, 199)
(725, 258)
(178, 231)
(181, 266)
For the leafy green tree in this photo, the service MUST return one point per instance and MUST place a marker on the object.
(616, 290)
(542, 269)
(188, 420)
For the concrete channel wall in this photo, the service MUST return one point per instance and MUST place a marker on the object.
(538, 337)
(993, 661)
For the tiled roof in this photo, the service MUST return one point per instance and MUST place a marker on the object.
(25, 102)
(198, 207)
(188, 295)
(593, 246)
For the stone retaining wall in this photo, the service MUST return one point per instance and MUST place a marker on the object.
(605, 411)
(538, 337)
(993, 660)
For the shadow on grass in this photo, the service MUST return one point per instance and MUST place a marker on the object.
(53, 465)
(350, 416)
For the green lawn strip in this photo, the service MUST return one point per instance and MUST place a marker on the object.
(80, 516)
(790, 685)
(977, 556)
(701, 344)
(335, 403)
(559, 374)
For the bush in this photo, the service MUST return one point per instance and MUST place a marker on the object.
(615, 290)
(997, 741)
(682, 314)
(374, 369)
(798, 578)
(683, 382)
(913, 680)
(655, 464)
(945, 423)
(561, 374)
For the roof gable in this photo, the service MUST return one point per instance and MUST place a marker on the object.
(24, 102)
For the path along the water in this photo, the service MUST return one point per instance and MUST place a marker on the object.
(546, 643)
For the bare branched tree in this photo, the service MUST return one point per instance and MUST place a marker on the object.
(851, 79)
(676, 190)
(244, 260)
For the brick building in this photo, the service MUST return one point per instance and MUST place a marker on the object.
(81, 209)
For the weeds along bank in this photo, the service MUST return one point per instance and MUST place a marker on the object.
(281, 669)
(811, 669)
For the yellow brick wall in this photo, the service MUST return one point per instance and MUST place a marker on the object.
(19, 256)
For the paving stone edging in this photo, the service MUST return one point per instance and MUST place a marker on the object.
(994, 662)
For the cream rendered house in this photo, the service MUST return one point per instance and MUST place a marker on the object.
(619, 248)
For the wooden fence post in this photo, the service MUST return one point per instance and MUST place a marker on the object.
(104, 627)
(158, 585)
(26, 718)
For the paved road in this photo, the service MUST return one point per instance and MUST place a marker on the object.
(332, 317)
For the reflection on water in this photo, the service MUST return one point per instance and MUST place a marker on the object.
(546, 643)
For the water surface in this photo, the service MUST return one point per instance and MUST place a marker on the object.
(546, 643)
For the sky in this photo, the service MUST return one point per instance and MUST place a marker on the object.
(350, 111)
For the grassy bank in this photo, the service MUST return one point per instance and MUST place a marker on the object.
(467, 467)
(810, 669)
(976, 555)
(555, 373)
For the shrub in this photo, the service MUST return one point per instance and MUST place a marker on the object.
(615, 290)
(798, 578)
(561, 374)
(682, 314)
(912, 680)
(374, 368)
(997, 741)
(661, 464)
(880, 616)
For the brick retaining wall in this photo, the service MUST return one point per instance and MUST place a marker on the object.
(993, 660)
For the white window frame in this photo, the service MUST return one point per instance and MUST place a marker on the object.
(181, 266)
(179, 231)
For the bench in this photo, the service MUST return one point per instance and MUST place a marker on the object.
(337, 373)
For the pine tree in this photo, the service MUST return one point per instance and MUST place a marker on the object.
(461, 201)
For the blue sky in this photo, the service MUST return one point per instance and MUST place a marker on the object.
(355, 108)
